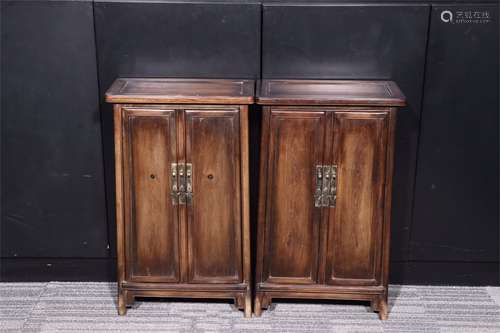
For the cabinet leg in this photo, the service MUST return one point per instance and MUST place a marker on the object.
(262, 302)
(257, 310)
(379, 305)
(239, 302)
(267, 303)
(383, 311)
(129, 298)
(248, 306)
(122, 304)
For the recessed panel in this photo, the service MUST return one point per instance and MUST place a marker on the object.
(292, 220)
(151, 227)
(355, 238)
(214, 213)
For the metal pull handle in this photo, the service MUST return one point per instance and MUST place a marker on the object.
(189, 183)
(182, 184)
(333, 187)
(325, 191)
(174, 193)
(319, 186)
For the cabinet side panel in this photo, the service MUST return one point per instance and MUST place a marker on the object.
(214, 215)
(153, 228)
(120, 227)
(355, 227)
(292, 221)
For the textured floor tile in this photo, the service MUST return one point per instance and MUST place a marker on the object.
(17, 301)
(494, 293)
(91, 307)
(461, 309)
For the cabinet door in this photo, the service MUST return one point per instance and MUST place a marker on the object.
(355, 225)
(214, 213)
(292, 221)
(151, 222)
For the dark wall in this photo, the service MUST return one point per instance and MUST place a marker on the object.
(456, 194)
(59, 57)
(53, 202)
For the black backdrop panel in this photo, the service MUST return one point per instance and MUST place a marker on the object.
(177, 40)
(162, 39)
(456, 198)
(358, 42)
(53, 202)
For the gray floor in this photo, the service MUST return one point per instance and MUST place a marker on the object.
(90, 307)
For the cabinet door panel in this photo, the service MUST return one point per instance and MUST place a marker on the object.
(151, 222)
(292, 221)
(355, 224)
(214, 217)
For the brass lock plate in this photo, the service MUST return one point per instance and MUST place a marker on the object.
(182, 184)
(325, 193)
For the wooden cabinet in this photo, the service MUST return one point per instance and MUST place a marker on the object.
(325, 190)
(182, 210)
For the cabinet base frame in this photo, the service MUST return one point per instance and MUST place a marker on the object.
(241, 294)
(377, 296)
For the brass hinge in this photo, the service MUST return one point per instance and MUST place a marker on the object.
(182, 185)
(325, 194)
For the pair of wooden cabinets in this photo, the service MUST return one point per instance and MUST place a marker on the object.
(182, 189)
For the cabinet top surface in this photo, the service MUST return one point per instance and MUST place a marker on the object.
(178, 90)
(330, 92)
